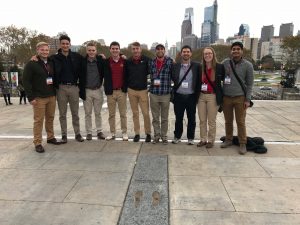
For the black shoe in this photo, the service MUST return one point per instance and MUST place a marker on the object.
(64, 139)
(10, 103)
(148, 138)
(79, 138)
(53, 141)
(89, 137)
(39, 149)
(101, 136)
(136, 138)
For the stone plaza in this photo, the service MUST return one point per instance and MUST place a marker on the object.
(127, 183)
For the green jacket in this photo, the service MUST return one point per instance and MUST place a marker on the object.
(35, 80)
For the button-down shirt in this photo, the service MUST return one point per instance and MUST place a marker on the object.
(188, 80)
(164, 76)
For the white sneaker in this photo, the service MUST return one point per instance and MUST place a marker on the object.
(125, 137)
(190, 142)
(176, 140)
(243, 149)
(226, 144)
(110, 137)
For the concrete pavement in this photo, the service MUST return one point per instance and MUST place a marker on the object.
(116, 182)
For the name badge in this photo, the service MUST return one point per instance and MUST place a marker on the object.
(204, 87)
(185, 84)
(49, 80)
(156, 82)
(227, 80)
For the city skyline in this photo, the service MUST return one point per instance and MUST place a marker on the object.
(155, 21)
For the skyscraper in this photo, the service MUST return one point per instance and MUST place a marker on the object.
(286, 29)
(210, 26)
(244, 30)
(166, 48)
(189, 14)
(190, 40)
(267, 32)
(186, 27)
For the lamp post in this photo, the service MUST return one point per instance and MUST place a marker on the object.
(259, 69)
(281, 70)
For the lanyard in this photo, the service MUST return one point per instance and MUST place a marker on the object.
(46, 66)
(160, 69)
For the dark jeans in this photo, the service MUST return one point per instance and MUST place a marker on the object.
(182, 103)
(22, 96)
(7, 98)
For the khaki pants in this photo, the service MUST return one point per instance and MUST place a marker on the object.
(68, 94)
(236, 104)
(137, 98)
(118, 97)
(44, 109)
(160, 105)
(207, 112)
(94, 99)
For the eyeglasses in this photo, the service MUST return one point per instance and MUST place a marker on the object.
(207, 53)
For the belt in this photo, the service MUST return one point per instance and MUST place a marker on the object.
(67, 83)
(207, 92)
(117, 89)
(93, 88)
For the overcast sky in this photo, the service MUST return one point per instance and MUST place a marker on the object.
(144, 21)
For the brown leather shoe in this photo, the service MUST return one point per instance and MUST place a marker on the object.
(101, 136)
(201, 143)
(79, 138)
(53, 141)
(39, 149)
(89, 137)
(64, 139)
(209, 145)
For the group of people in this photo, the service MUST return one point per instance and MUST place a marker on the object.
(209, 85)
(5, 87)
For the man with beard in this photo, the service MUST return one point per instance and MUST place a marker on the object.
(160, 70)
(234, 97)
(186, 80)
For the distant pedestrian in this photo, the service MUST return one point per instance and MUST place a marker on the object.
(235, 100)
(160, 70)
(38, 84)
(186, 80)
(211, 96)
(136, 75)
(6, 90)
(22, 93)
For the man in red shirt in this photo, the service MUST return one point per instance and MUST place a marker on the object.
(115, 88)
